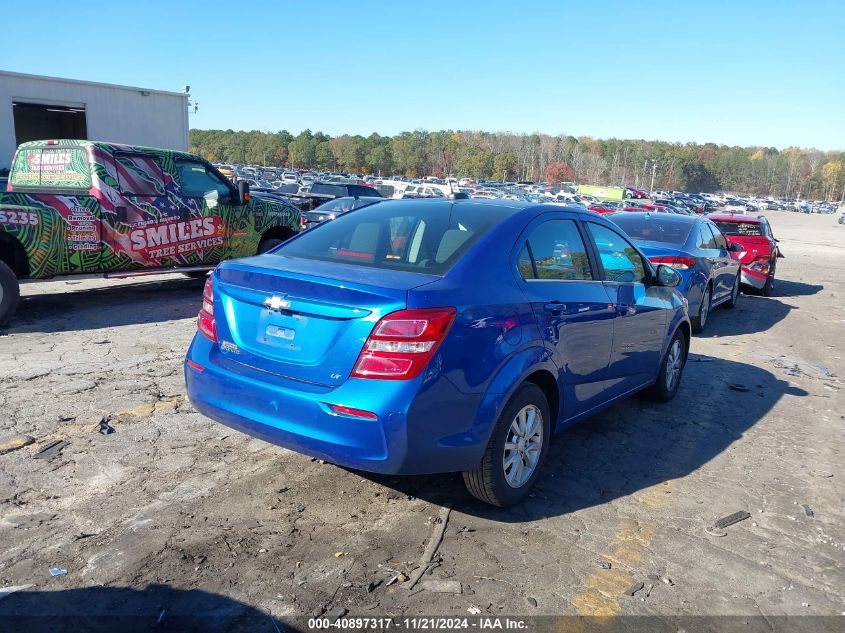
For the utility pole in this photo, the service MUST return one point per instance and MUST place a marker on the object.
(653, 172)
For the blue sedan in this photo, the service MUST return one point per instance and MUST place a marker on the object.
(431, 336)
(694, 247)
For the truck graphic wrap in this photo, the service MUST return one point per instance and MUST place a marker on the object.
(85, 207)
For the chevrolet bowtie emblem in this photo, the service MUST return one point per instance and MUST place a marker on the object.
(276, 303)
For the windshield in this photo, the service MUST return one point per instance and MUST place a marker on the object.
(645, 226)
(342, 205)
(739, 228)
(414, 236)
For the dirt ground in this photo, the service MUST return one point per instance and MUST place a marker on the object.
(175, 514)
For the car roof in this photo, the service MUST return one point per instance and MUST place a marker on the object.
(662, 217)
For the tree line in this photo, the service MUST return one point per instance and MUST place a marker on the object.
(788, 173)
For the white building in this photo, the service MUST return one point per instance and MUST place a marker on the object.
(33, 108)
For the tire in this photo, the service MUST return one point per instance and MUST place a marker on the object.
(197, 274)
(700, 320)
(674, 360)
(489, 482)
(730, 303)
(10, 293)
(769, 288)
(266, 245)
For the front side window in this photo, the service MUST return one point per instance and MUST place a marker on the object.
(555, 251)
(619, 259)
(198, 182)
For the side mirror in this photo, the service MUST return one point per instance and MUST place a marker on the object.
(736, 247)
(243, 192)
(667, 276)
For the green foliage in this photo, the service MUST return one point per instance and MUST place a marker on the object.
(504, 156)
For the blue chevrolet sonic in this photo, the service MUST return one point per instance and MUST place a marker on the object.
(434, 335)
(696, 249)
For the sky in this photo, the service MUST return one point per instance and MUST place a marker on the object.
(739, 72)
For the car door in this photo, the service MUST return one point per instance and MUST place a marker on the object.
(141, 223)
(725, 266)
(575, 319)
(640, 311)
(206, 201)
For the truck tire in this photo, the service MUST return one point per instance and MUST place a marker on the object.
(268, 244)
(10, 293)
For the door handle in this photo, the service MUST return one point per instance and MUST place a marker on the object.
(554, 306)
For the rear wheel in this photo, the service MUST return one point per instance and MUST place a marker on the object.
(699, 321)
(730, 303)
(515, 451)
(10, 293)
(769, 288)
(268, 244)
(671, 370)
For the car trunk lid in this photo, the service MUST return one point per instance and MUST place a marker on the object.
(305, 320)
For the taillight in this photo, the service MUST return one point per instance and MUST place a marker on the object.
(402, 343)
(205, 319)
(760, 265)
(681, 263)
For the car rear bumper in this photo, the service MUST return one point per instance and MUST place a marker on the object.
(421, 427)
(753, 278)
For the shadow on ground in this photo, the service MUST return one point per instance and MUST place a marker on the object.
(141, 302)
(785, 288)
(109, 609)
(633, 445)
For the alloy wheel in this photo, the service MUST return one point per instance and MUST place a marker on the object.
(704, 310)
(674, 363)
(523, 446)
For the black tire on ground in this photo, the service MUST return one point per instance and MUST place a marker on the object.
(769, 288)
(699, 321)
(730, 303)
(197, 274)
(664, 389)
(269, 243)
(10, 293)
(487, 482)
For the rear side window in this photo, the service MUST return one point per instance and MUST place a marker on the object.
(139, 174)
(718, 238)
(60, 167)
(425, 238)
(705, 237)
(555, 251)
(619, 259)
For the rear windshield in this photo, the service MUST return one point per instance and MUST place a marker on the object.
(402, 235)
(739, 228)
(653, 228)
(60, 167)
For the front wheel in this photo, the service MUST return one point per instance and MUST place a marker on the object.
(515, 451)
(698, 322)
(671, 370)
(10, 293)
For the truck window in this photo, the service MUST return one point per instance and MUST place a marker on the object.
(198, 182)
(139, 174)
(59, 167)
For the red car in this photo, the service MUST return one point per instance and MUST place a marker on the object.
(759, 248)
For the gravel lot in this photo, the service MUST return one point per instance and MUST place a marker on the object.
(215, 520)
